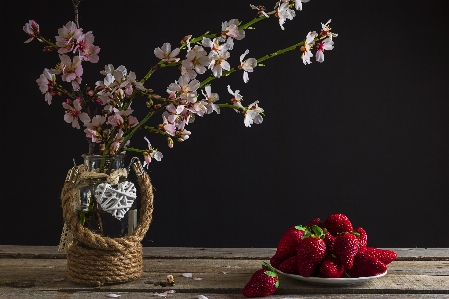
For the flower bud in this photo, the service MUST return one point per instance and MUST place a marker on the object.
(120, 94)
(170, 142)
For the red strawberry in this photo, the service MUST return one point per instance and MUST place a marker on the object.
(329, 240)
(337, 223)
(288, 245)
(346, 247)
(330, 267)
(264, 282)
(366, 265)
(363, 238)
(316, 221)
(276, 260)
(311, 251)
(290, 265)
(383, 255)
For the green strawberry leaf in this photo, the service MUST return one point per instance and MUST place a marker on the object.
(270, 273)
(300, 227)
(276, 285)
(317, 230)
(355, 234)
(307, 233)
(267, 266)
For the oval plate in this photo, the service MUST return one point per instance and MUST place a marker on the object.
(332, 281)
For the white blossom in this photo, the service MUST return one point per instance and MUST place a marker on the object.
(166, 54)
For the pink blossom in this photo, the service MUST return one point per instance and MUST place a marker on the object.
(260, 10)
(151, 153)
(247, 65)
(166, 54)
(118, 139)
(298, 4)
(93, 128)
(253, 114)
(305, 49)
(196, 59)
(284, 13)
(73, 113)
(32, 29)
(231, 29)
(86, 48)
(215, 45)
(211, 98)
(132, 121)
(185, 89)
(167, 127)
(326, 29)
(68, 35)
(71, 71)
(116, 120)
(218, 63)
(183, 135)
(47, 82)
(237, 98)
(326, 44)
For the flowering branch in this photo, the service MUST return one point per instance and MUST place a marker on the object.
(105, 109)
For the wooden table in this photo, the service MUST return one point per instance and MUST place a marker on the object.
(37, 272)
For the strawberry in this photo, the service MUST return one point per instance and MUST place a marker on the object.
(346, 247)
(264, 282)
(289, 266)
(363, 238)
(331, 267)
(276, 260)
(316, 221)
(366, 265)
(383, 255)
(311, 251)
(288, 245)
(337, 223)
(329, 240)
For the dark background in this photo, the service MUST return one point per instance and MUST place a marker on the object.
(365, 133)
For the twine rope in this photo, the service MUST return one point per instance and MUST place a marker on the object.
(96, 259)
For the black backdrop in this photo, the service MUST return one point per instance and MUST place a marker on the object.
(365, 133)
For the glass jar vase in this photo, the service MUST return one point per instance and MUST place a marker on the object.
(106, 207)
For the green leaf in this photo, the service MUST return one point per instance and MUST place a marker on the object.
(267, 266)
(276, 285)
(355, 234)
(270, 273)
(300, 227)
(317, 230)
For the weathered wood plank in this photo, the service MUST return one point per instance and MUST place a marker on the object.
(222, 277)
(24, 293)
(404, 254)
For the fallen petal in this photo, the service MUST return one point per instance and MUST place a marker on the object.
(188, 275)
(197, 278)
(202, 297)
(112, 295)
(170, 292)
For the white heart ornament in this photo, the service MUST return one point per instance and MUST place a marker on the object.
(116, 201)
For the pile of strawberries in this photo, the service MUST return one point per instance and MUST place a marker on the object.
(327, 250)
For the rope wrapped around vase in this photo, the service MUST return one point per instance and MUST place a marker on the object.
(96, 260)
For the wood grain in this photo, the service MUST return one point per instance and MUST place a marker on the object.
(404, 254)
(40, 272)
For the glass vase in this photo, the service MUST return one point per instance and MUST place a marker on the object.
(88, 190)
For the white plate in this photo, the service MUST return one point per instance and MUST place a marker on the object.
(333, 281)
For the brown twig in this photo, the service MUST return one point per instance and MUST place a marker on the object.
(75, 8)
